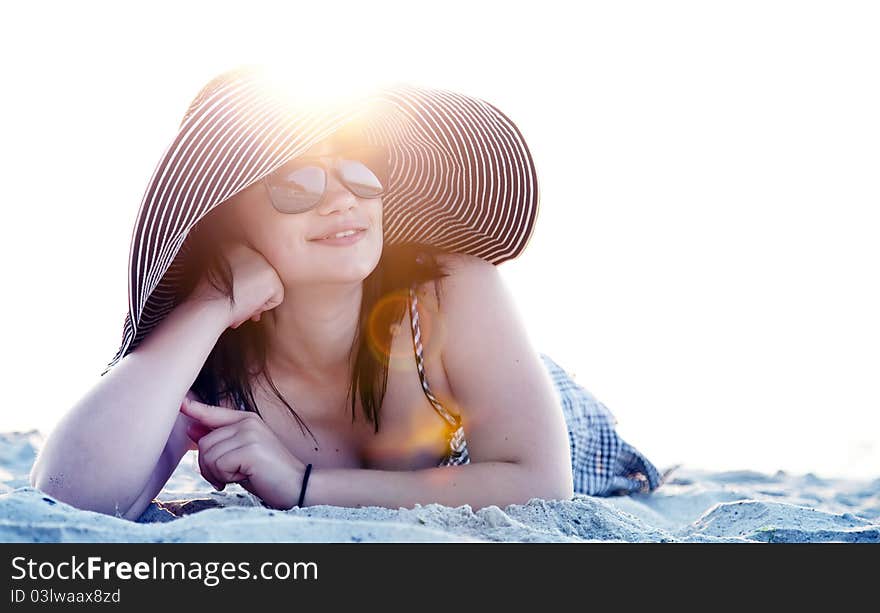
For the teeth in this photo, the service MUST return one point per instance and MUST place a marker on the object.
(341, 234)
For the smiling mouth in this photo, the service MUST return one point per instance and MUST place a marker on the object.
(348, 239)
(346, 234)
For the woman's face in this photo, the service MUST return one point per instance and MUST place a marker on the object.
(285, 239)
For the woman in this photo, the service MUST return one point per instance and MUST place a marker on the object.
(347, 281)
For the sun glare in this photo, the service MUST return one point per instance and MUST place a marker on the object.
(314, 87)
(382, 316)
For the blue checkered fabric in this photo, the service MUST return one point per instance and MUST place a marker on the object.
(603, 464)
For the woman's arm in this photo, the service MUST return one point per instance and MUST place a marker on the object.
(516, 431)
(105, 450)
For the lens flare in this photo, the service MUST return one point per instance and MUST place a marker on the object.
(384, 326)
(313, 88)
(421, 442)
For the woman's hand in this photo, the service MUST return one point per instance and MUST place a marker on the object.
(256, 285)
(238, 447)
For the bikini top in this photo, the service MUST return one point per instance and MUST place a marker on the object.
(457, 451)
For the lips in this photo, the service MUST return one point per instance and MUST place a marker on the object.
(332, 233)
(344, 241)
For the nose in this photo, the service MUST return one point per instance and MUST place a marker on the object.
(337, 197)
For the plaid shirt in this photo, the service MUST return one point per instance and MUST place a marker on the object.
(603, 463)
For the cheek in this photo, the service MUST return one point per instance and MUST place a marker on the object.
(288, 241)
(376, 213)
(283, 242)
(377, 225)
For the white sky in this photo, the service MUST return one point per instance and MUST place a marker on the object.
(703, 260)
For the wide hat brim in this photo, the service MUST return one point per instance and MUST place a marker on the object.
(461, 176)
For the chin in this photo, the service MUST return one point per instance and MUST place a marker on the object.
(355, 270)
(349, 270)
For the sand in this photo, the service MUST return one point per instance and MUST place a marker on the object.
(692, 506)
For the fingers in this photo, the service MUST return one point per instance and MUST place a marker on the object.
(277, 298)
(195, 431)
(212, 437)
(222, 472)
(225, 436)
(208, 473)
(270, 304)
(251, 318)
(217, 443)
(234, 465)
(212, 416)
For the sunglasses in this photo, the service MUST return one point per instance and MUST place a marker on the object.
(300, 185)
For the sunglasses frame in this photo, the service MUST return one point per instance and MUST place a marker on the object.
(334, 167)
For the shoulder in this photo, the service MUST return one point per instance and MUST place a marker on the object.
(467, 275)
(466, 280)
(462, 262)
(477, 313)
(472, 285)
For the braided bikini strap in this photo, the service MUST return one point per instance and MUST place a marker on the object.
(453, 420)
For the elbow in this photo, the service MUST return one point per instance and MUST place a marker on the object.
(556, 491)
(56, 487)
(51, 486)
(549, 482)
(564, 484)
(40, 480)
(564, 491)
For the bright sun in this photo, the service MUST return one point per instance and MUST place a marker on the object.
(313, 85)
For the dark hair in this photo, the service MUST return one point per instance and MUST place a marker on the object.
(240, 353)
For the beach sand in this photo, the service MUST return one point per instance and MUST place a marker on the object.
(692, 506)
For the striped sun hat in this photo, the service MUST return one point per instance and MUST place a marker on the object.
(460, 176)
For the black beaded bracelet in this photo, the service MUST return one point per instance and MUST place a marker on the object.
(302, 492)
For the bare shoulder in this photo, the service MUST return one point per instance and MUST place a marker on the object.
(467, 276)
(476, 310)
(471, 289)
(468, 285)
(472, 283)
(460, 262)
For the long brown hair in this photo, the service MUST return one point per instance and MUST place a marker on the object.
(240, 353)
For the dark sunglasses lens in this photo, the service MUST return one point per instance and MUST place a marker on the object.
(297, 190)
(360, 178)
